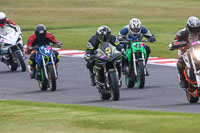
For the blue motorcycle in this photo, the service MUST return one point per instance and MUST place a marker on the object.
(45, 72)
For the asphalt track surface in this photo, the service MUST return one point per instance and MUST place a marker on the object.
(161, 91)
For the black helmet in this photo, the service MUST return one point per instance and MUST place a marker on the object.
(40, 31)
(193, 24)
(103, 33)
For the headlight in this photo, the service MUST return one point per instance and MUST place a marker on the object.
(197, 54)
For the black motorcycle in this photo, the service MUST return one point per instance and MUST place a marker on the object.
(107, 71)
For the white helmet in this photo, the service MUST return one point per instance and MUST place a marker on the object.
(2, 19)
(193, 24)
(135, 26)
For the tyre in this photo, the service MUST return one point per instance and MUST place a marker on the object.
(114, 81)
(13, 67)
(140, 75)
(51, 77)
(43, 82)
(130, 83)
(104, 96)
(21, 61)
(190, 98)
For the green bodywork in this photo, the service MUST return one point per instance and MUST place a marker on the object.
(136, 47)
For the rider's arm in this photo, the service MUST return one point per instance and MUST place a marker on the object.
(114, 41)
(122, 34)
(51, 37)
(147, 34)
(180, 40)
(9, 21)
(30, 42)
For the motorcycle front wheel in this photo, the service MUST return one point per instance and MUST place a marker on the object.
(140, 75)
(114, 81)
(51, 77)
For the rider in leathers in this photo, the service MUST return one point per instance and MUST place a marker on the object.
(5, 23)
(103, 34)
(134, 31)
(189, 34)
(39, 38)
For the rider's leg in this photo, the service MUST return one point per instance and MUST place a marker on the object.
(57, 58)
(148, 51)
(123, 58)
(181, 67)
(32, 64)
(92, 75)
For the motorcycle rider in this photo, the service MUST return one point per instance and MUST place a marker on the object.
(189, 34)
(134, 31)
(5, 22)
(39, 38)
(103, 34)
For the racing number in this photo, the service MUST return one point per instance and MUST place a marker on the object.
(107, 50)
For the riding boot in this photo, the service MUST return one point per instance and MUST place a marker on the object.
(32, 71)
(123, 65)
(92, 78)
(182, 80)
(147, 73)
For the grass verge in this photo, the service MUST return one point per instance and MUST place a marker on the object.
(23, 117)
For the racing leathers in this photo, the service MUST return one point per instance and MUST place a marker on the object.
(188, 37)
(33, 41)
(126, 34)
(92, 45)
(4, 30)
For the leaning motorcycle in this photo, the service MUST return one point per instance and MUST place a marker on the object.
(107, 71)
(192, 71)
(135, 63)
(45, 71)
(11, 50)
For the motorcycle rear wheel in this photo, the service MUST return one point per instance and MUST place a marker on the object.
(129, 83)
(21, 61)
(104, 96)
(191, 99)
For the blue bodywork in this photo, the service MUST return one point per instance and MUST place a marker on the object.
(46, 52)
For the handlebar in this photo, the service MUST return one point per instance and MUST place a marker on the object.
(130, 41)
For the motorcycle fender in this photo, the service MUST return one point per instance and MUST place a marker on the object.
(128, 54)
(111, 71)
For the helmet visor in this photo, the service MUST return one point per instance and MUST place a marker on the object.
(2, 22)
(136, 30)
(194, 29)
(104, 37)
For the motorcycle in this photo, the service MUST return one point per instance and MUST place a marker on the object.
(45, 71)
(192, 71)
(135, 63)
(11, 50)
(107, 71)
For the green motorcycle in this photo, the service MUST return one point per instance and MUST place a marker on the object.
(135, 63)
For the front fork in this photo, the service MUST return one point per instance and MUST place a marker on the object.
(136, 60)
(45, 68)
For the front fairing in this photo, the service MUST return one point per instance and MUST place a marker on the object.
(107, 53)
(44, 52)
(136, 48)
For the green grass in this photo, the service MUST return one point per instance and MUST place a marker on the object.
(74, 21)
(23, 117)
